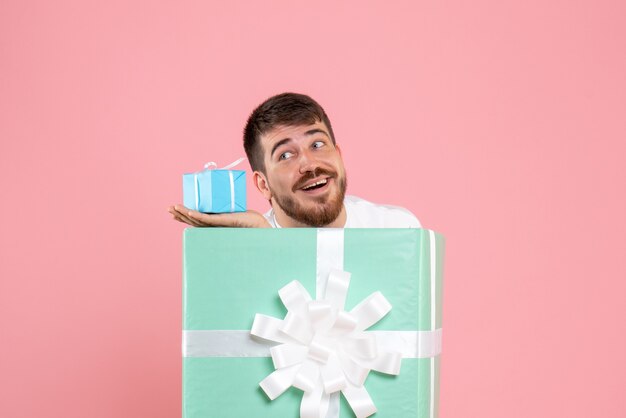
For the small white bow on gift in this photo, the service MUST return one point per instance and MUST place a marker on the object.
(212, 165)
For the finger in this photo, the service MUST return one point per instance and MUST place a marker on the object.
(181, 209)
(183, 213)
(181, 219)
(175, 214)
(184, 219)
(193, 222)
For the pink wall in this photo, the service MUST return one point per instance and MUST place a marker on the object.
(500, 124)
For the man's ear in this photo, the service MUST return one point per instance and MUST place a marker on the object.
(338, 149)
(260, 181)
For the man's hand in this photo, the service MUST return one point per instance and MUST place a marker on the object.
(249, 219)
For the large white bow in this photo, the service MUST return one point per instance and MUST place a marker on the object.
(324, 349)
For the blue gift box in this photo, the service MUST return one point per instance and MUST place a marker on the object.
(215, 191)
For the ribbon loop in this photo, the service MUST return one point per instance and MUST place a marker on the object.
(307, 377)
(344, 324)
(319, 352)
(354, 372)
(279, 381)
(294, 296)
(286, 355)
(359, 401)
(319, 312)
(268, 328)
(332, 376)
(371, 310)
(212, 165)
(314, 404)
(337, 288)
(297, 327)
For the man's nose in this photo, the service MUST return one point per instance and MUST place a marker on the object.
(308, 162)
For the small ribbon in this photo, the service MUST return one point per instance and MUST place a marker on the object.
(324, 349)
(212, 165)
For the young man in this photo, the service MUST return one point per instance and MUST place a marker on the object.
(298, 168)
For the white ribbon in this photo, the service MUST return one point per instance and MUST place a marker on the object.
(433, 315)
(329, 257)
(325, 349)
(197, 192)
(238, 343)
(212, 165)
(232, 191)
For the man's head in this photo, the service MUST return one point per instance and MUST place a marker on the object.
(297, 165)
(286, 109)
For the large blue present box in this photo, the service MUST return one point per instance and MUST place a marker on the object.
(215, 191)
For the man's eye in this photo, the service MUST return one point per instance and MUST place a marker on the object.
(318, 144)
(285, 155)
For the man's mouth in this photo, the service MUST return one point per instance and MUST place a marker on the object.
(315, 182)
(316, 185)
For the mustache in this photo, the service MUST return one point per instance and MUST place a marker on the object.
(310, 175)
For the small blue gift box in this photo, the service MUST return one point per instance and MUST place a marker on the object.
(215, 190)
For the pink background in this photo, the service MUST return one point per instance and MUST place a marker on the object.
(500, 124)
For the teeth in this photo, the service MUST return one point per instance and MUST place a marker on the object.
(315, 184)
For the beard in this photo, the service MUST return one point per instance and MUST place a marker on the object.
(323, 210)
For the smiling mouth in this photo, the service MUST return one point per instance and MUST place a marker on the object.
(317, 185)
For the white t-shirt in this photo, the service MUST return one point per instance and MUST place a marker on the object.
(363, 214)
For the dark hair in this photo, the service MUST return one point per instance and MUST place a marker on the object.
(288, 109)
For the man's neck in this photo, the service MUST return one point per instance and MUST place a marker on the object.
(285, 221)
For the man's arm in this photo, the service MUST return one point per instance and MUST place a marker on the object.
(249, 219)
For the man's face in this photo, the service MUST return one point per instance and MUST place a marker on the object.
(304, 172)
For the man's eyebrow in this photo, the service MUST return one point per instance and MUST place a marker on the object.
(278, 144)
(317, 131)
